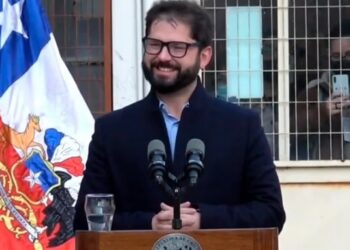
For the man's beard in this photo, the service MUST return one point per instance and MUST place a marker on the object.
(183, 79)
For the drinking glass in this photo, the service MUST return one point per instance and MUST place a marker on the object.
(99, 210)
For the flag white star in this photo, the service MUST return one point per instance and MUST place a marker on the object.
(33, 178)
(10, 20)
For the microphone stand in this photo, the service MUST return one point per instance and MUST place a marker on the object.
(194, 153)
(176, 194)
(177, 223)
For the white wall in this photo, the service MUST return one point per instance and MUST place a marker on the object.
(127, 32)
(317, 202)
(126, 52)
(318, 217)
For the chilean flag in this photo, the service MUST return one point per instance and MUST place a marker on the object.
(45, 129)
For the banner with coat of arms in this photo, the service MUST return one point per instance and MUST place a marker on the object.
(45, 129)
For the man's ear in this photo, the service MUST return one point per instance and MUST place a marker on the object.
(205, 56)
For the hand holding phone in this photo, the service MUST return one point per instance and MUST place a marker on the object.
(340, 85)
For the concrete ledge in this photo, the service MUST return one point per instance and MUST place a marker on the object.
(313, 171)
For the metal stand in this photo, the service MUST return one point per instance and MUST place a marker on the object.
(176, 193)
(177, 223)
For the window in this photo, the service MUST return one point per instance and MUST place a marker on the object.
(82, 29)
(286, 47)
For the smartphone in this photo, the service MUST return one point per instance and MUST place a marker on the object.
(340, 85)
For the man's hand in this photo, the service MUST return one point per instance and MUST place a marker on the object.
(190, 217)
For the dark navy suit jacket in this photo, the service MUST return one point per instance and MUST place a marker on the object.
(238, 188)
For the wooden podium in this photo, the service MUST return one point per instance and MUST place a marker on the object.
(221, 239)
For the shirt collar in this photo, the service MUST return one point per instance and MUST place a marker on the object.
(164, 108)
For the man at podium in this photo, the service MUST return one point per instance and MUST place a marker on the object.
(232, 185)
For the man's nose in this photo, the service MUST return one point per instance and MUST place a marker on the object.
(164, 53)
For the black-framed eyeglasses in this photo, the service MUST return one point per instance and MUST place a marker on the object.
(176, 49)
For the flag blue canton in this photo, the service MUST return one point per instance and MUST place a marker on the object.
(47, 178)
(18, 53)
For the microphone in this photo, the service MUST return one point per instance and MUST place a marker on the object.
(194, 154)
(156, 156)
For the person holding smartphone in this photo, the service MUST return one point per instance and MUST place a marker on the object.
(324, 115)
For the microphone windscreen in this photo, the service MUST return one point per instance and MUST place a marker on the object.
(195, 145)
(155, 145)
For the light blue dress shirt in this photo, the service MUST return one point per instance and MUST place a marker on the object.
(172, 125)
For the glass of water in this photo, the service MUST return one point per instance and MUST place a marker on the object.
(99, 210)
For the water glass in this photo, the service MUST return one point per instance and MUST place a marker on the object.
(99, 210)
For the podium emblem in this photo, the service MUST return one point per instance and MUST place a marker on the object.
(176, 241)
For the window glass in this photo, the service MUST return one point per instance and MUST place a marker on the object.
(244, 28)
(79, 29)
